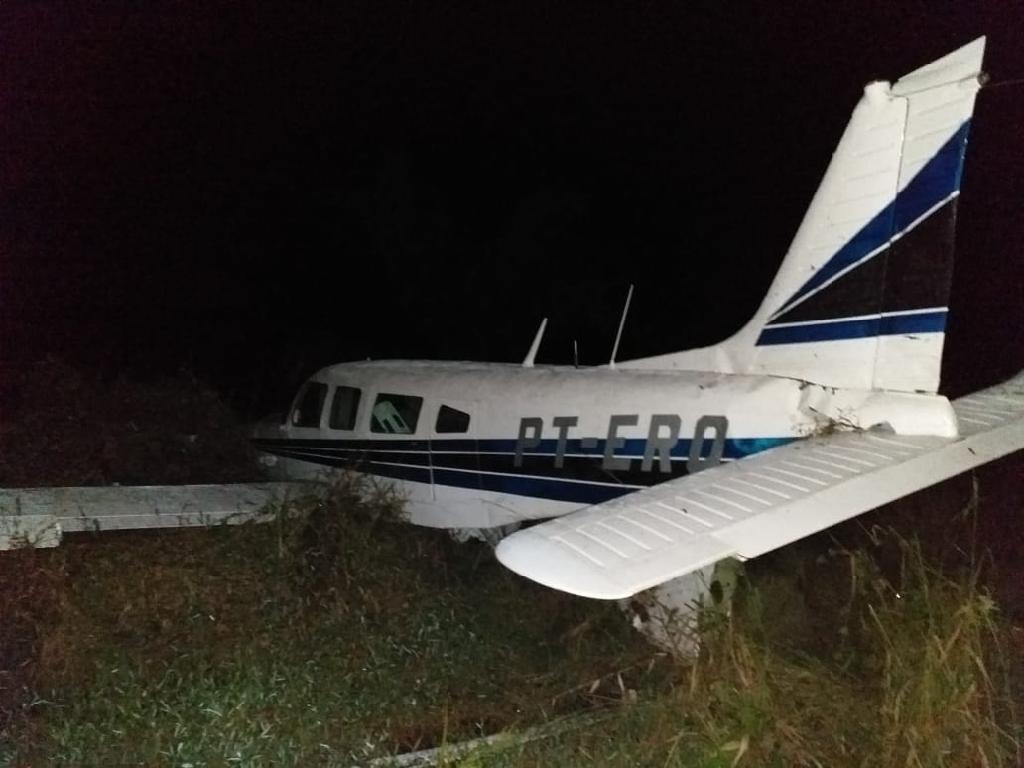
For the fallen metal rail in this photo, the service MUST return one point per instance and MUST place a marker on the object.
(39, 517)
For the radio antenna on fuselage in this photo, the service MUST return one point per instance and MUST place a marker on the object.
(528, 362)
(622, 322)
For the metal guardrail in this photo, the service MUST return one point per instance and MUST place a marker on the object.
(39, 517)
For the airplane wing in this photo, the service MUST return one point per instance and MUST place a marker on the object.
(752, 506)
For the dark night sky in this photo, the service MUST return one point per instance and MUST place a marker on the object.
(259, 189)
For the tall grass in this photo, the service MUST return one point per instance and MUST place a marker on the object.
(941, 668)
(333, 635)
(912, 673)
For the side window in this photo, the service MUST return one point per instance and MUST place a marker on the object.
(344, 407)
(451, 420)
(395, 414)
(309, 405)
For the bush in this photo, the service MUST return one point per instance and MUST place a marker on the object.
(63, 427)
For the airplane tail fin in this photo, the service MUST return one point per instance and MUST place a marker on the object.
(862, 295)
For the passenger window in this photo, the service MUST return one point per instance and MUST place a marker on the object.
(344, 408)
(451, 420)
(396, 414)
(310, 404)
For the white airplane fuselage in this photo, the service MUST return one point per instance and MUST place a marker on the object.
(849, 336)
(481, 445)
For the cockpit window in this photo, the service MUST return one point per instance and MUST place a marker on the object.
(451, 420)
(344, 407)
(395, 414)
(309, 405)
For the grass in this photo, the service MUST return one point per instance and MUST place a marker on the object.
(332, 635)
(326, 637)
(915, 674)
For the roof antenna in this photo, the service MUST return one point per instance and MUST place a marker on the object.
(622, 322)
(575, 354)
(528, 362)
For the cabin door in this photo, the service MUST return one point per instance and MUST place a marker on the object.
(454, 450)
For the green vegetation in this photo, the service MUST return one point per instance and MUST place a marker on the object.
(332, 635)
(914, 674)
(329, 635)
(62, 426)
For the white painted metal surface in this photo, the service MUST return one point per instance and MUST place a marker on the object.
(504, 394)
(744, 509)
(40, 516)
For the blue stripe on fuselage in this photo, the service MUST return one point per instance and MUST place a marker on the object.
(857, 328)
(409, 459)
(735, 448)
(550, 488)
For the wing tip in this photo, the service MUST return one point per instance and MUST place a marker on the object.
(542, 560)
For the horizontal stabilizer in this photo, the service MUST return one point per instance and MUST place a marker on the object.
(754, 505)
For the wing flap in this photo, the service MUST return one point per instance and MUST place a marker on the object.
(749, 507)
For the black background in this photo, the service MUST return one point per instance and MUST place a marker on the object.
(256, 190)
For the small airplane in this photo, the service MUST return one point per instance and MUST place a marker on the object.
(823, 406)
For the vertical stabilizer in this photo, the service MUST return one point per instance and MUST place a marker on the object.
(862, 295)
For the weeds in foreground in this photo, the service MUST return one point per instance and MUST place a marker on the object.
(941, 668)
(915, 676)
(325, 636)
(919, 681)
(331, 636)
